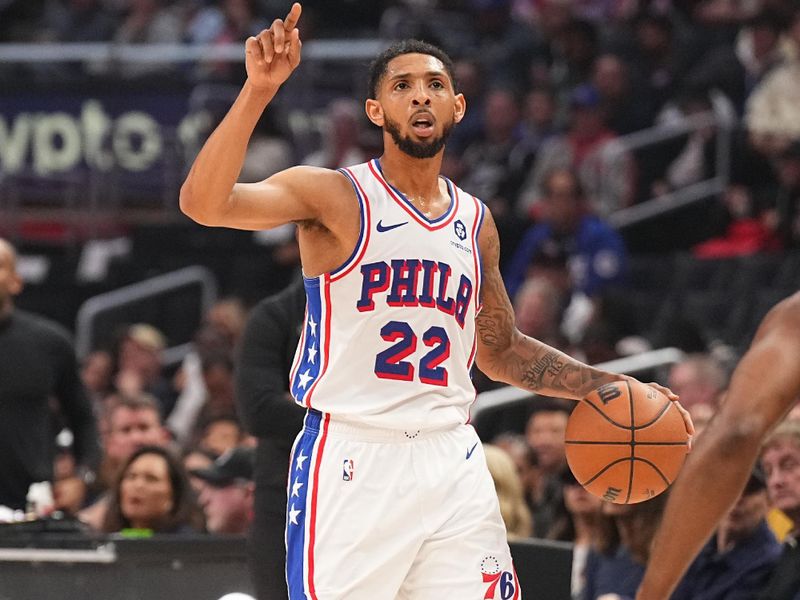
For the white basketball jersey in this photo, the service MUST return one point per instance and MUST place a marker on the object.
(389, 336)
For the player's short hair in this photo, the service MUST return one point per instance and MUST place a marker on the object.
(378, 67)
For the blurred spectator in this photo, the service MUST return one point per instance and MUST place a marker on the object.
(747, 231)
(696, 159)
(739, 558)
(737, 70)
(772, 113)
(784, 215)
(515, 512)
(37, 366)
(698, 379)
(615, 568)
(780, 458)
(218, 379)
(525, 459)
(623, 110)
(152, 493)
(269, 151)
(470, 82)
(227, 496)
(147, 22)
(269, 413)
(573, 54)
(538, 120)
(538, 308)
(491, 165)
(97, 369)
(221, 433)
(213, 345)
(659, 57)
(139, 366)
(341, 136)
(131, 423)
(596, 253)
(577, 520)
(506, 45)
(588, 147)
(76, 21)
(194, 459)
(545, 434)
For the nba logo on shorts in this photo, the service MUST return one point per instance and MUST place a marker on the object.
(347, 470)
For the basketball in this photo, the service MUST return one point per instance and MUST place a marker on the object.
(625, 442)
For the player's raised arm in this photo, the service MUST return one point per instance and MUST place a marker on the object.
(764, 386)
(210, 194)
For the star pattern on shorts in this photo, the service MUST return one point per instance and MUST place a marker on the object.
(313, 326)
(305, 378)
(301, 458)
(312, 353)
(296, 488)
(293, 512)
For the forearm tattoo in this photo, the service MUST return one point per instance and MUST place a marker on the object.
(556, 372)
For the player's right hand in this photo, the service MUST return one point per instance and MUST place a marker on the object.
(272, 55)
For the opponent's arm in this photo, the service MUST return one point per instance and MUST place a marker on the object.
(505, 354)
(210, 194)
(763, 388)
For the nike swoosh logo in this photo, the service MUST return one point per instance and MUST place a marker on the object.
(471, 450)
(381, 227)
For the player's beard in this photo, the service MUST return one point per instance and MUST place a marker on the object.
(426, 149)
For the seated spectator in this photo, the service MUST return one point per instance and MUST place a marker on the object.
(595, 253)
(222, 433)
(783, 216)
(780, 458)
(545, 434)
(195, 459)
(228, 492)
(96, 374)
(538, 308)
(576, 520)
(152, 493)
(341, 137)
(588, 147)
(525, 460)
(131, 422)
(699, 379)
(615, 567)
(147, 22)
(746, 233)
(516, 514)
(139, 366)
(739, 558)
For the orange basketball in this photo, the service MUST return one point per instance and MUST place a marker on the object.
(625, 442)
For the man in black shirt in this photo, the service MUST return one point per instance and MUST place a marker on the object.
(268, 412)
(37, 363)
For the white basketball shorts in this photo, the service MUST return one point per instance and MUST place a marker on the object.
(378, 514)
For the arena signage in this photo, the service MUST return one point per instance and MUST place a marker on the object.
(101, 134)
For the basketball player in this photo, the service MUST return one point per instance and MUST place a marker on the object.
(763, 388)
(388, 494)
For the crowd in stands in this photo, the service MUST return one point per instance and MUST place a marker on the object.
(552, 86)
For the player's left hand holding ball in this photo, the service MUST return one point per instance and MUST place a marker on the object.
(687, 419)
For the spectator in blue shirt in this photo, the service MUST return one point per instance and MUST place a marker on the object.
(737, 561)
(596, 253)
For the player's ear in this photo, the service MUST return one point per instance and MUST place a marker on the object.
(374, 111)
(460, 108)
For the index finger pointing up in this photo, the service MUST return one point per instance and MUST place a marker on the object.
(291, 19)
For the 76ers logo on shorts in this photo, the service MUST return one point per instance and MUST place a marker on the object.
(502, 584)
